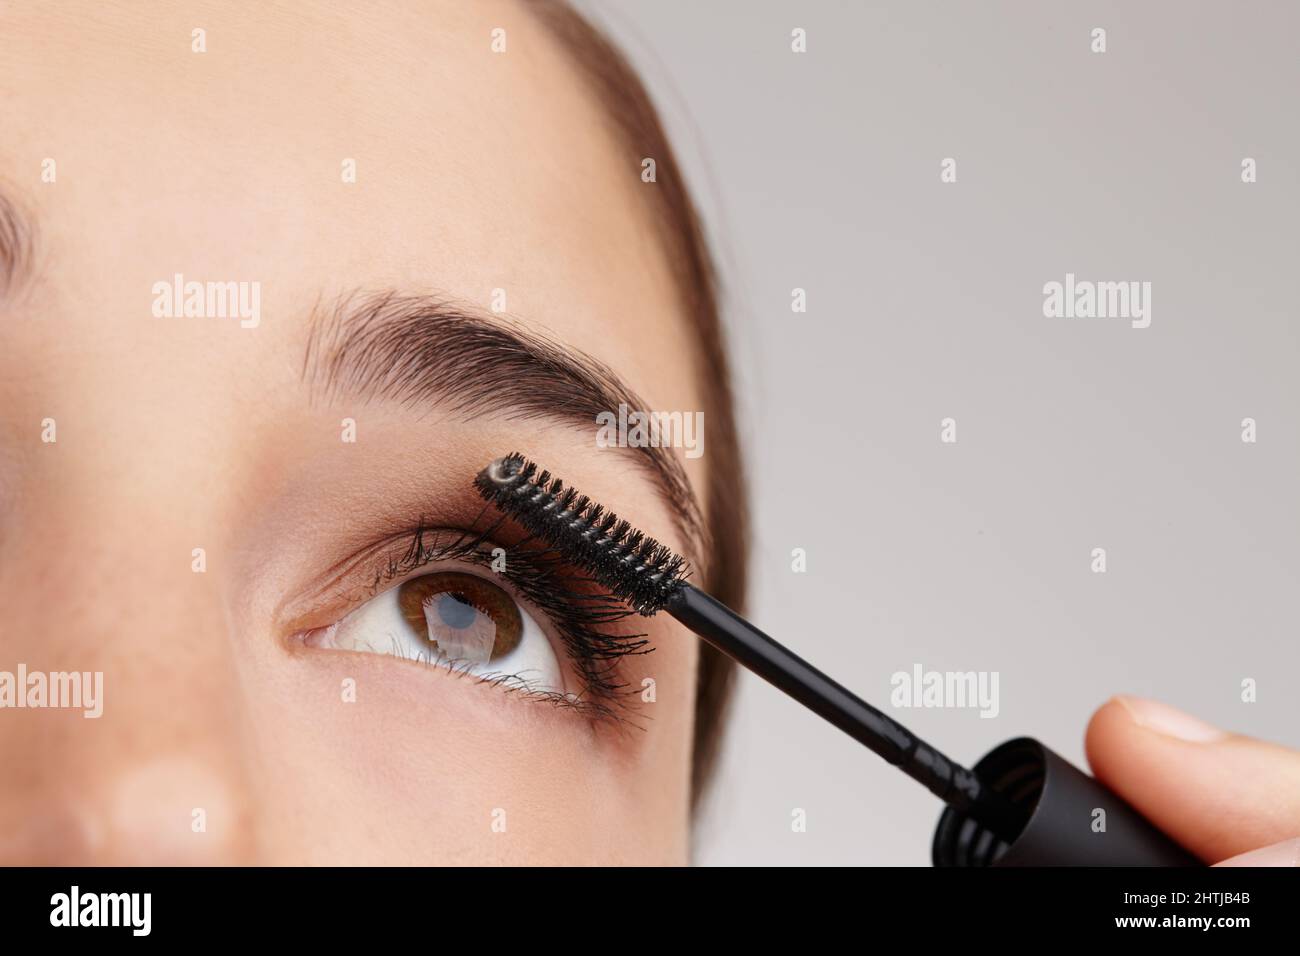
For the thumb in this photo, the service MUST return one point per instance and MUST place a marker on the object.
(1218, 794)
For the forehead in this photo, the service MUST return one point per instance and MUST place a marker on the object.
(475, 170)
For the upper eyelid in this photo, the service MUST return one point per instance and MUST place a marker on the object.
(475, 557)
(362, 568)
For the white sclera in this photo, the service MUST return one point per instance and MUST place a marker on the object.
(379, 627)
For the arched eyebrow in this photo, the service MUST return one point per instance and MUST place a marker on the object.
(17, 246)
(421, 350)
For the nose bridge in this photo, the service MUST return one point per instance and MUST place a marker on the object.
(133, 754)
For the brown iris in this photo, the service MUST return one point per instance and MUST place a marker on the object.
(463, 616)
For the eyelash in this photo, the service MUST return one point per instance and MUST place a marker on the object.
(579, 612)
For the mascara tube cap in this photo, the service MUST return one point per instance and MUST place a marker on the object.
(1073, 820)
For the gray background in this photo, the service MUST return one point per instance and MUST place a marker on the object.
(821, 171)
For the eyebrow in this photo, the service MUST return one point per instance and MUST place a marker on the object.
(17, 246)
(420, 350)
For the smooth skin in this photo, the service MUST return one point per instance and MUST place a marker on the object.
(475, 171)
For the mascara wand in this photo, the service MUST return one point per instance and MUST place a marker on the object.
(983, 823)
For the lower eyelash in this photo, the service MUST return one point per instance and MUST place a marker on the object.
(514, 684)
(581, 614)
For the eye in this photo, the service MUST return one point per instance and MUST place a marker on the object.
(453, 619)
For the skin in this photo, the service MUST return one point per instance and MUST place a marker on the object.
(475, 171)
(1227, 798)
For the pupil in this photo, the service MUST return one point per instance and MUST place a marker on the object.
(455, 611)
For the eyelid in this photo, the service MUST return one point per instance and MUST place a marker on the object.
(354, 579)
(574, 614)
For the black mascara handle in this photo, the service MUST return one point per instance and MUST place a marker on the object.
(958, 787)
(1073, 819)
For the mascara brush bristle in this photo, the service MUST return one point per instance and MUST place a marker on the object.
(635, 567)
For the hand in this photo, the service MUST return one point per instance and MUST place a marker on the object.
(1227, 798)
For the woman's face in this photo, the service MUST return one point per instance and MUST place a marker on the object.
(385, 336)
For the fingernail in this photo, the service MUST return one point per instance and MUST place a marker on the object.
(1169, 721)
(1286, 853)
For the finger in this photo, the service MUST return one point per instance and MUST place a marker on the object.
(1218, 794)
(1286, 853)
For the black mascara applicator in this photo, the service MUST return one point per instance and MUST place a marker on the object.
(1022, 804)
